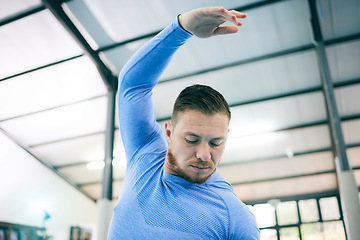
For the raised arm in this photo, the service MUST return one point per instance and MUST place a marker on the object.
(136, 81)
(140, 75)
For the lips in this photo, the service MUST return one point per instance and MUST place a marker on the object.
(200, 168)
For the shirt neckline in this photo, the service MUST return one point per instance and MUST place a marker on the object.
(172, 178)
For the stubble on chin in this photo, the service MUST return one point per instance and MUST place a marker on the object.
(176, 170)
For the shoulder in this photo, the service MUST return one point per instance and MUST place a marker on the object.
(242, 222)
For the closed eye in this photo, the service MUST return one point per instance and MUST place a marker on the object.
(215, 143)
(193, 142)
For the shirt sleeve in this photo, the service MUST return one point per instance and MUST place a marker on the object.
(136, 81)
(243, 224)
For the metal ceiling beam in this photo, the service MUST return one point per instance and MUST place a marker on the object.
(339, 40)
(21, 14)
(109, 147)
(41, 67)
(52, 108)
(56, 9)
(24, 13)
(328, 90)
(316, 195)
(283, 178)
(346, 181)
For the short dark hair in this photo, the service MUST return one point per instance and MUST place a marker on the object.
(200, 98)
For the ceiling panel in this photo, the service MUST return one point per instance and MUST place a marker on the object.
(81, 149)
(276, 144)
(348, 99)
(353, 155)
(95, 189)
(81, 174)
(84, 149)
(283, 188)
(357, 177)
(344, 61)
(70, 121)
(276, 114)
(351, 131)
(338, 17)
(32, 42)
(54, 86)
(278, 168)
(13, 7)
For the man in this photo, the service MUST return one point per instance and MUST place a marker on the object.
(172, 189)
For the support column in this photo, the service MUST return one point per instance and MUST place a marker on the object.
(346, 182)
(105, 205)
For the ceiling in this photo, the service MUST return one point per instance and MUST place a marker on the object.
(53, 96)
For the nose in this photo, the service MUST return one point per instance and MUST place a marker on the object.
(203, 152)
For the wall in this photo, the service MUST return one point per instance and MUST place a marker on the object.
(27, 187)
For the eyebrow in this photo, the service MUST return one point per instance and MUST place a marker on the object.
(195, 135)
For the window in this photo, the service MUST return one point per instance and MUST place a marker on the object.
(268, 234)
(291, 233)
(265, 215)
(316, 218)
(329, 208)
(309, 210)
(287, 213)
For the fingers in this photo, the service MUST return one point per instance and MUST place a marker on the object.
(238, 14)
(234, 16)
(225, 30)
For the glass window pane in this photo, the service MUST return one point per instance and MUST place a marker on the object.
(289, 233)
(308, 210)
(329, 208)
(268, 234)
(265, 215)
(311, 231)
(287, 213)
(334, 230)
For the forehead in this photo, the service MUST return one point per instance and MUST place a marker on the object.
(200, 123)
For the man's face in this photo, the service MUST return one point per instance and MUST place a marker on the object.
(196, 144)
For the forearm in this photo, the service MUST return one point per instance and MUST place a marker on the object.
(136, 81)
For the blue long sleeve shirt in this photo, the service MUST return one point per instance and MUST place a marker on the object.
(154, 204)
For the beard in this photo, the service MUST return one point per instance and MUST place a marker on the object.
(193, 177)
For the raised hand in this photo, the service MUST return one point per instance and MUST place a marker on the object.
(205, 22)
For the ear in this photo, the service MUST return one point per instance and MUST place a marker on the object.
(168, 131)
